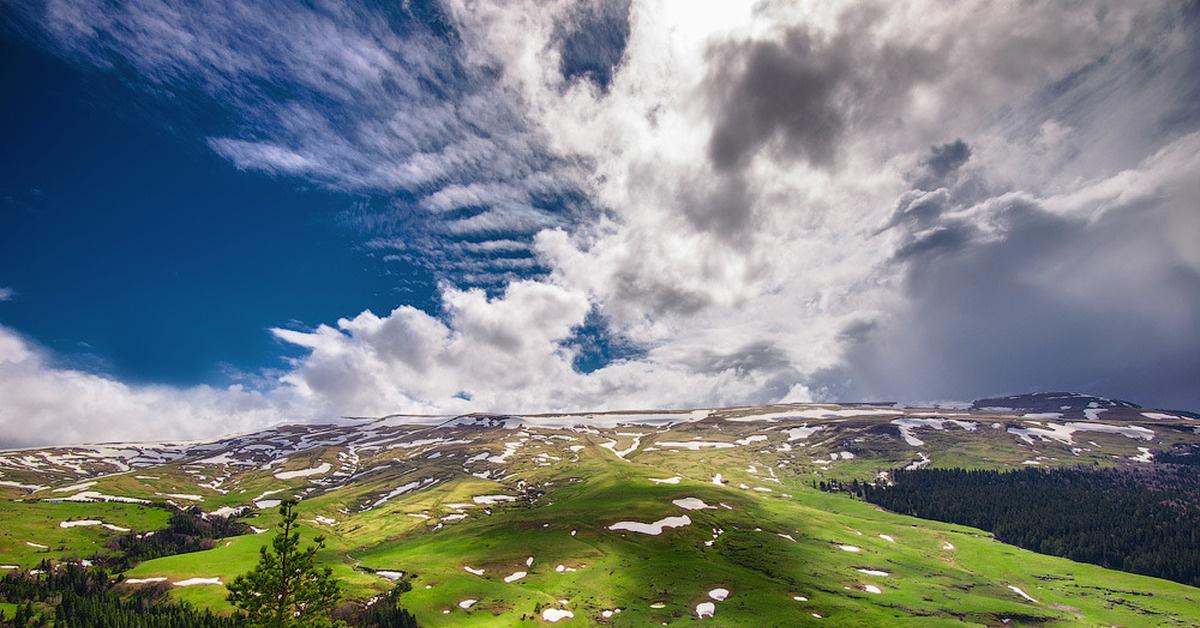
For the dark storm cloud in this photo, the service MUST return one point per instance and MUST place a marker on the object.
(801, 93)
(758, 356)
(761, 359)
(800, 96)
(719, 204)
(778, 90)
(940, 239)
(1005, 295)
(942, 164)
(923, 215)
(918, 209)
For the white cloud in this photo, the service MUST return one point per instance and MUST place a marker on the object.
(698, 262)
(7, 294)
(769, 263)
(503, 354)
(48, 404)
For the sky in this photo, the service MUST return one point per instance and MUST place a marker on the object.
(217, 216)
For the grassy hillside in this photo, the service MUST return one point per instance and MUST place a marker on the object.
(465, 508)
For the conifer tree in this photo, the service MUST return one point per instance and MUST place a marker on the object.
(287, 588)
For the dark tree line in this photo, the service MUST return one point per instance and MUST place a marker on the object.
(1141, 521)
(83, 597)
(386, 612)
(187, 531)
(1179, 454)
(77, 596)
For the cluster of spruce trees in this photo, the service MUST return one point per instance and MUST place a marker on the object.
(187, 531)
(1140, 521)
(74, 595)
(386, 612)
(1186, 454)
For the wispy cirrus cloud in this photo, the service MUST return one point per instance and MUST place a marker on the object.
(366, 100)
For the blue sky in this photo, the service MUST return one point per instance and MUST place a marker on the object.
(220, 215)
(136, 250)
(139, 251)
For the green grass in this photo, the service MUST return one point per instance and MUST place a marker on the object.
(928, 585)
(585, 492)
(38, 522)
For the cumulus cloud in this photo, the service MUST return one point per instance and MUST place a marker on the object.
(770, 201)
(510, 353)
(7, 294)
(44, 403)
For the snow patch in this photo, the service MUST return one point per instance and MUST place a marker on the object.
(695, 445)
(691, 503)
(491, 500)
(621, 453)
(917, 464)
(320, 469)
(1021, 593)
(802, 432)
(91, 522)
(555, 614)
(908, 425)
(191, 497)
(94, 496)
(191, 582)
(1062, 432)
(653, 529)
(873, 572)
(514, 576)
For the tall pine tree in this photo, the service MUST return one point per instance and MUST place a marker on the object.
(287, 588)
